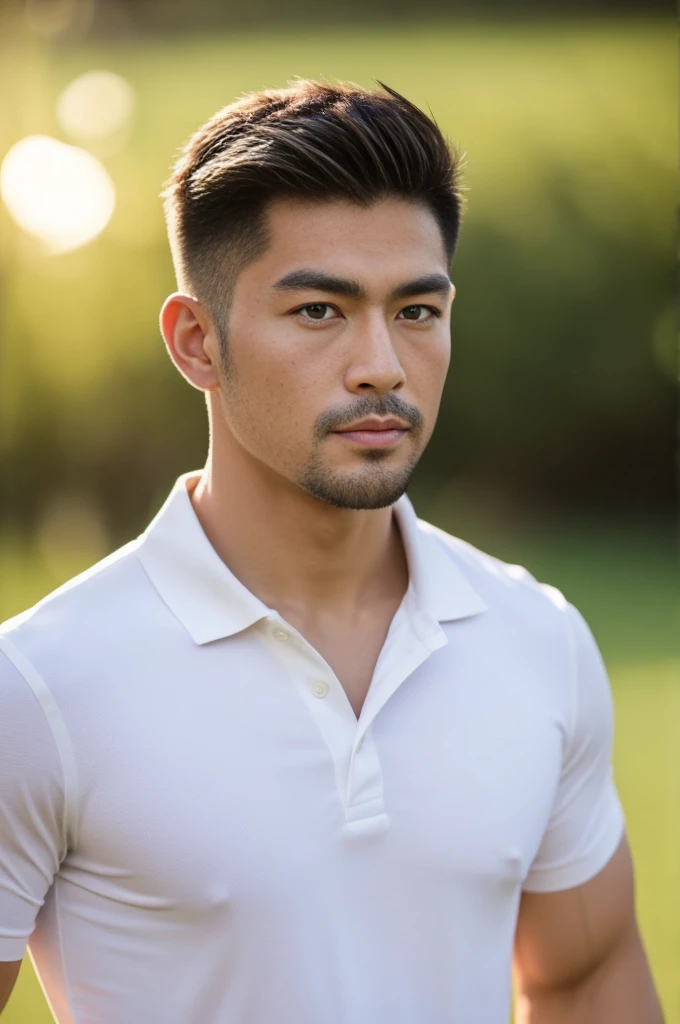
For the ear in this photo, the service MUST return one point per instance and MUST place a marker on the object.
(190, 339)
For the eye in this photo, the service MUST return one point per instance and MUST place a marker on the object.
(316, 311)
(412, 313)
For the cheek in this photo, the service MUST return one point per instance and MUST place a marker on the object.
(426, 372)
(441, 353)
(268, 402)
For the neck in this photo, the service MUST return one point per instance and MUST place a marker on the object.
(292, 550)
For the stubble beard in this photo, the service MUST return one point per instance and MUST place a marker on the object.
(359, 490)
(366, 489)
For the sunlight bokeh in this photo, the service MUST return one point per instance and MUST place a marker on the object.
(95, 104)
(60, 194)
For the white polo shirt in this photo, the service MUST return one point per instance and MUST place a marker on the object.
(197, 830)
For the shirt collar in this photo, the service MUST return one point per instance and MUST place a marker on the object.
(211, 603)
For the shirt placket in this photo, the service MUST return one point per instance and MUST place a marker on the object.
(358, 771)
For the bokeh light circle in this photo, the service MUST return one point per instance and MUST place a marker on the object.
(60, 194)
(95, 104)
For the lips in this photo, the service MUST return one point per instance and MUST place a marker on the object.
(375, 424)
(374, 432)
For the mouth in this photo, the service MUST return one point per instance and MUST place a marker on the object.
(373, 437)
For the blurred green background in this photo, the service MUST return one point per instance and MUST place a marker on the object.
(557, 435)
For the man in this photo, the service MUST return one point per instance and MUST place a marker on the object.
(293, 755)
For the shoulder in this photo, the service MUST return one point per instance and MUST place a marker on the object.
(509, 589)
(82, 614)
(532, 621)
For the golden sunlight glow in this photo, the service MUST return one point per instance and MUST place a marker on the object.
(60, 194)
(95, 104)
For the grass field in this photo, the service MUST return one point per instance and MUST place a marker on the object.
(625, 583)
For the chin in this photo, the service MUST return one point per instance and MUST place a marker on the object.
(371, 489)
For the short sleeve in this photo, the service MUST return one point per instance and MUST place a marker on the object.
(587, 821)
(33, 836)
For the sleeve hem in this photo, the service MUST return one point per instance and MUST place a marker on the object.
(12, 949)
(577, 873)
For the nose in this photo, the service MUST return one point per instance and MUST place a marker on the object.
(375, 365)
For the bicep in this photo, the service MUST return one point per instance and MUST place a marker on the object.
(9, 971)
(563, 936)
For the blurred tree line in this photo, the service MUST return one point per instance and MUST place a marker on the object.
(562, 390)
(110, 18)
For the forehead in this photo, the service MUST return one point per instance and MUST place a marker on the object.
(390, 238)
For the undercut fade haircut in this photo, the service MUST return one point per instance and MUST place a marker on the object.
(311, 141)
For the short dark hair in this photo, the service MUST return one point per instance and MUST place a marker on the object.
(312, 140)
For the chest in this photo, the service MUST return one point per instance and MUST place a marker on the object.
(223, 788)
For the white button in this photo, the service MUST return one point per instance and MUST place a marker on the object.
(280, 634)
(320, 689)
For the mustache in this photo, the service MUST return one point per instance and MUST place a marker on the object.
(387, 405)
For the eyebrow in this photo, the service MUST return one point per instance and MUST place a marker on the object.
(314, 280)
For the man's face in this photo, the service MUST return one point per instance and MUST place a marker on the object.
(345, 318)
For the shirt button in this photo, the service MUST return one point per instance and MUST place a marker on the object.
(320, 689)
(280, 634)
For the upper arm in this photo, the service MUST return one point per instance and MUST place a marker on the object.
(578, 901)
(32, 809)
(564, 936)
(586, 821)
(8, 975)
